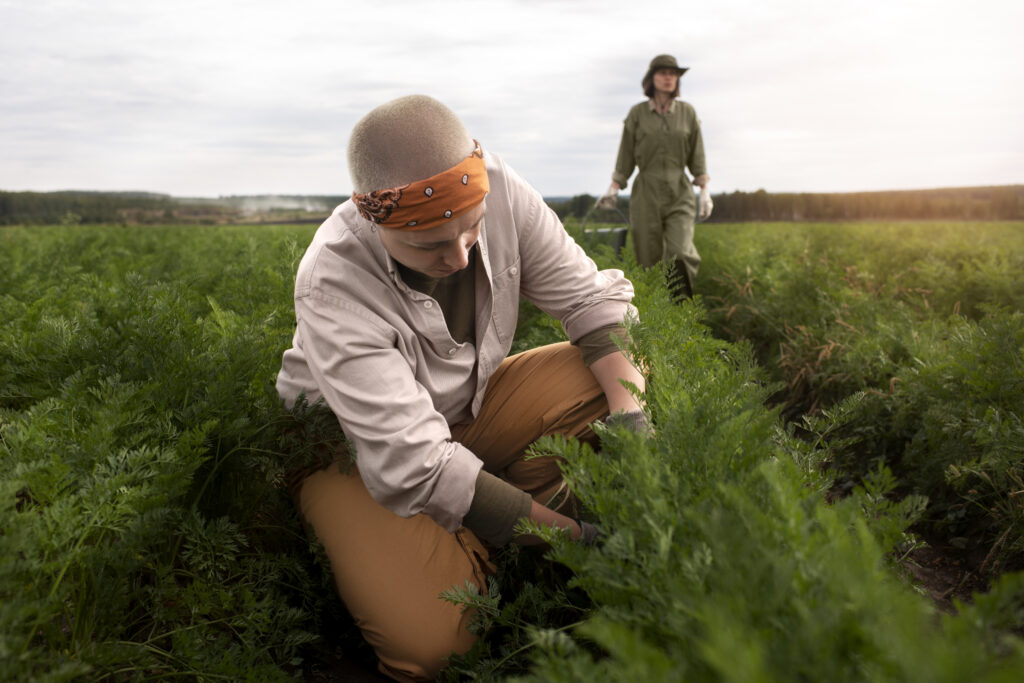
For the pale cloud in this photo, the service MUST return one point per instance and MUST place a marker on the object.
(216, 97)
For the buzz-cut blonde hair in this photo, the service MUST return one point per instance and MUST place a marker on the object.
(405, 140)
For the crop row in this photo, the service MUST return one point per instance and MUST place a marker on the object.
(144, 532)
(911, 337)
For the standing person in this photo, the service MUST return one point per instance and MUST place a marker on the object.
(406, 304)
(661, 136)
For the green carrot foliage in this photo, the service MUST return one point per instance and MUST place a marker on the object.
(146, 529)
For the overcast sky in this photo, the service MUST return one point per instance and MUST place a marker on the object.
(218, 97)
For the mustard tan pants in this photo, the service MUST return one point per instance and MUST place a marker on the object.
(390, 570)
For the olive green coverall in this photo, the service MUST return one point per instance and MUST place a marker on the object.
(662, 205)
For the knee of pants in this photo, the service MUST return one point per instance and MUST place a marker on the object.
(424, 659)
(390, 571)
(534, 474)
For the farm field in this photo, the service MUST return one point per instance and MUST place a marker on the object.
(833, 386)
(911, 335)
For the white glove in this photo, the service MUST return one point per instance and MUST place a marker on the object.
(610, 198)
(704, 204)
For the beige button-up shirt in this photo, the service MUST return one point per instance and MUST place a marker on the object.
(380, 355)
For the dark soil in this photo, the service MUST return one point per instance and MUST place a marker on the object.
(336, 664)
(947, 573)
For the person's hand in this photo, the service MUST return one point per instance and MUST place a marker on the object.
(610, 198)
(589, 534)
(705, 204)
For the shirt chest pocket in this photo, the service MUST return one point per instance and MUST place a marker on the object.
(505, 291)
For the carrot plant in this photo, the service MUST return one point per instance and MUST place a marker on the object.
(830, 308)
(952, 429)
(139, 534)
(721, 559)
(921, 317)
(145, 529)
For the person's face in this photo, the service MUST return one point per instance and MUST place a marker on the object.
(436, 252)
(665, 80)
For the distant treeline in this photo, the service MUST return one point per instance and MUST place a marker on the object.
(35, 208)
(1004, 202)
(48, 208)
(969, 203)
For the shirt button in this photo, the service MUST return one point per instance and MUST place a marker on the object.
(513, 270)
(428, 304)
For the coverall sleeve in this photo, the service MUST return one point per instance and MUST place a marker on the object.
(626, 161)
(696, 163)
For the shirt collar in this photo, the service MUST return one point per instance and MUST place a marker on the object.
(653, 107)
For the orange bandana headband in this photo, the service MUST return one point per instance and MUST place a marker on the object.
(428, 203)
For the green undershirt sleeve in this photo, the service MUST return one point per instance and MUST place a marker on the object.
(601, 342)
(496, 507)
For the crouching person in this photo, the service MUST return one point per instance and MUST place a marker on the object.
(406, 304)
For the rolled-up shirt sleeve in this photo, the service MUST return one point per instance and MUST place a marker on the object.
(405, 453)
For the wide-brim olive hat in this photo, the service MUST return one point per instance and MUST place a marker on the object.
(661, 62)
(666, 62)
